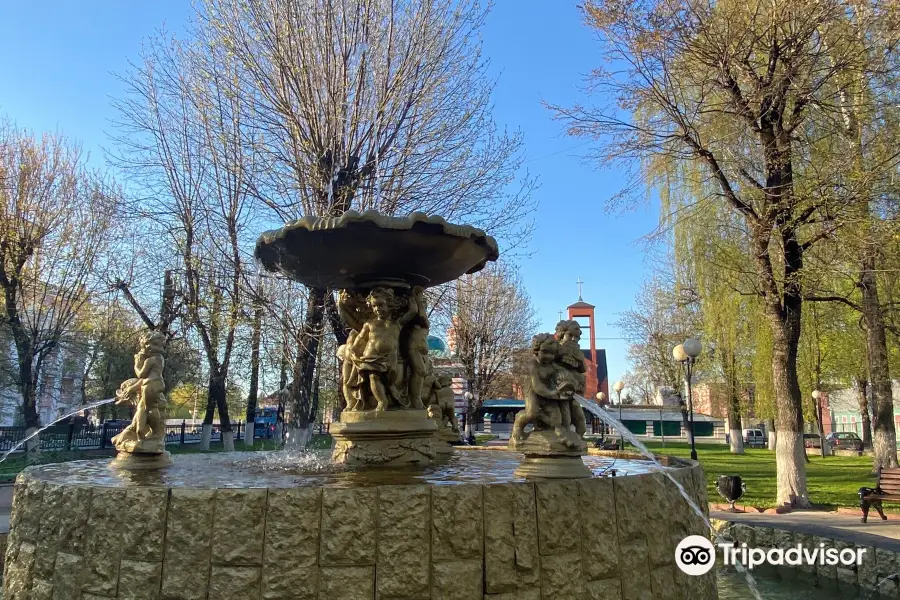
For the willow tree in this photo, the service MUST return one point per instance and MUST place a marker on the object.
(381, 104)
(861, 153)
(726, 92)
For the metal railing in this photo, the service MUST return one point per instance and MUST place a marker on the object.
(72, 436)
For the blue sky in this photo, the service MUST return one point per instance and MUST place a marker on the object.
(58, 73)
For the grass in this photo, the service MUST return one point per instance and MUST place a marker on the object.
(832, 481)
(483, 438)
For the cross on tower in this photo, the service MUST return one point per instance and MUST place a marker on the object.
(560, 315)
(580, 283)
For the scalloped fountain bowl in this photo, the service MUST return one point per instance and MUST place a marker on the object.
(358, 250)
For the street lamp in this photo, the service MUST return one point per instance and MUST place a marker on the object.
(470, 437)
(687, 354)
(817, 396)
(617, 388)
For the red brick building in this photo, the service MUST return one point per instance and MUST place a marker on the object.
(596, 378)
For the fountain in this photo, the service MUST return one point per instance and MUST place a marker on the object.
(393, 513)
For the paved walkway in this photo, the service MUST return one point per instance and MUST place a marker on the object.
(877, 533)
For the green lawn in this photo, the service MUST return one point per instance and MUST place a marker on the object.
(833, 481)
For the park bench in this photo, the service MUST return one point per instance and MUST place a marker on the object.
(886, 488)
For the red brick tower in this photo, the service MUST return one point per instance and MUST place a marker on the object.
(595, 377)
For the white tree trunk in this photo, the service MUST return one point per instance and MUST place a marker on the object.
(228, 441)
(298, 438)
(773, 435)
(35, 442)
(278, 435)
(205, 435)
(736, 441)
(789, 453)
(249, 434)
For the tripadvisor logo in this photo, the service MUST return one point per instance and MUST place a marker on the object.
(696, 555)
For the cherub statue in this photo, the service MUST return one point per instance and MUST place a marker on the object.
(350, 380)
(571, 358)
(147, 430)
(550, 385)
(374, 352)
(442, 398)
(416, 349)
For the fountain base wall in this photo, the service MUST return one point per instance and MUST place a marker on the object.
(600, 539)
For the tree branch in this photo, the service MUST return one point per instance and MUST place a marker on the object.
(123, 287)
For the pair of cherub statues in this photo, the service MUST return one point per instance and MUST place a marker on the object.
(146, 392)
(556, 375)
(385, 360)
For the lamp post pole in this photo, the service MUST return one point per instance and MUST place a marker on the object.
(687, 354)
(690, 371)
(817, 396)
(470, 427)
(601, 398)
(617, 388)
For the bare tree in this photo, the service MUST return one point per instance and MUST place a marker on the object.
(380, 104)
(492, 320)
(184, 139)
(55, 219)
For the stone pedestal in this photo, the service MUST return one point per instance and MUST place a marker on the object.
(551, 456)
(384, 438)
(444, 440)
(133, 461)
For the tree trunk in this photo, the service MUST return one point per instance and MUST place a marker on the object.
(736, 440)
(224, 417)
(27, 381)
(862, 397)
(884, 434)
(790, 455)
(255, 337)
(735, 437)
(209, 415)
(299, 431)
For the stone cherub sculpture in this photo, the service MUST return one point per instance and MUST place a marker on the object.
(415, 342)
(441, 405)
(549, 399)
(146, 434)
(372, 372)
(571, 358)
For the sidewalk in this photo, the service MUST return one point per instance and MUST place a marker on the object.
(839, 526)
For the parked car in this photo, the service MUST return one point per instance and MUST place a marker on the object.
(812, 440)
(755, 438)
(844, 440)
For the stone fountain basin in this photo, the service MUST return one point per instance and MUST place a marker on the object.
(358, 250)
(239, 526)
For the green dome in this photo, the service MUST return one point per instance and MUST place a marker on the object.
(436, 344)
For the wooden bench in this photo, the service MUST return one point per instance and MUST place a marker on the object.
(887, 488)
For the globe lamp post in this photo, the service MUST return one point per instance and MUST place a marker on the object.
(617, 388)
(687, 354)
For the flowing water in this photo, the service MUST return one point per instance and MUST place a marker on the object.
(62, 418)
(633, 440)
(286, 468)
(782, 584)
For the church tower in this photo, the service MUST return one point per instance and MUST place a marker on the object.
(596, 379)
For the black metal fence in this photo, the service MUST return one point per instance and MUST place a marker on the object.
(72, 436)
